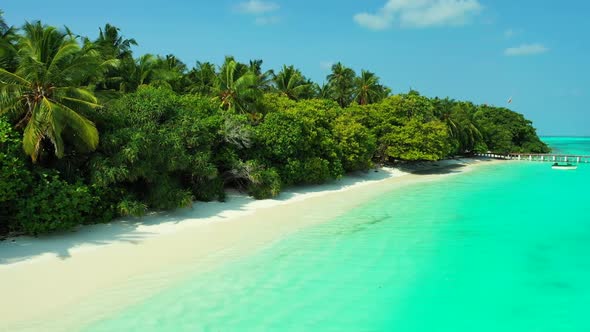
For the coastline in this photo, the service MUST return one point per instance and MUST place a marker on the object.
(136, 257)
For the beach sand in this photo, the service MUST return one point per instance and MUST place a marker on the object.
(100, 269)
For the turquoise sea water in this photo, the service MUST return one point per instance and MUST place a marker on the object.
(569, 145)
(500, 248)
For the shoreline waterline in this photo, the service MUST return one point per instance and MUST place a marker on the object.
(42, 277)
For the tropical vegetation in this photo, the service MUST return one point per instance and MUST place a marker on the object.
(89, 131)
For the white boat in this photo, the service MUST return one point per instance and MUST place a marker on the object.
(564, 166)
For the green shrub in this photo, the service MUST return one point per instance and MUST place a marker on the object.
(131, 207)
(297, 139)
(15, 177)
(208, 190)
(308, 171)
(417, 141)
(106, 200)
(505, 131)
(265, 184)
(54, 205)
(355, 142)
(159, 150)
(167, 194)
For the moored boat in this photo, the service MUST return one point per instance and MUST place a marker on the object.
(564, 166)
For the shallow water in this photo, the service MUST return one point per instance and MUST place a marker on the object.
(500, 248)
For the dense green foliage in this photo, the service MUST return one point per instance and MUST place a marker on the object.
(170, 134)
(14, 176)
(37, 200)
(157, 148)
(44, 93)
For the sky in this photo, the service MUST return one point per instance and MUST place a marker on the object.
(533, 51)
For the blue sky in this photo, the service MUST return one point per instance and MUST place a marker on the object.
(481, 50)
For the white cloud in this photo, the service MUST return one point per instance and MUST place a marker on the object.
(267, 20)
(373, 22)
(526, 49)
(420, 14)
(256, 7)
(261, 10)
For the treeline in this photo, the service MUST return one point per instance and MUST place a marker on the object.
(88, 132)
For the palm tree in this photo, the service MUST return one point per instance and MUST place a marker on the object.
(8, 49)
(290, 82)
(368, 90)
(112, 44)
(45, 94)
(170, 71)
(237, 88)
(263, 79)
(470, 133)
(323, 91)
(341, 82)
(443, 109)
(147, 69)
(255, 66)
(460, 122)
(240, 68)
(3, 25)
(7, 45)
(202, 78)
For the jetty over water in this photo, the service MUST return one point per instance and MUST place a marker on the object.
(553, 158)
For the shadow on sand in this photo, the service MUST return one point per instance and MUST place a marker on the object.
(132, 230)
(435, 169)
(452, 166)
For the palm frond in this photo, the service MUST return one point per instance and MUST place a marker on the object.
(82, 127)
(33, 135)
(45, 89)
(65, 52)
(76, 93)
(78, 69)
(55, 127)
(10, 103)
(7, 77)
(110, 63)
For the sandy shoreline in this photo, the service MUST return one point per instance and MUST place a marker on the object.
(127, 260)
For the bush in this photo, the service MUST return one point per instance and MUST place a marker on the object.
(54, 205)
(131, 207)
(14, 175)
(15, 178)
(208, 190)
(298, 141)
(265, 184)
(417, 141)
(105, 204)
(308, 171)
(159, 150)
(355, 142)
(506, 131)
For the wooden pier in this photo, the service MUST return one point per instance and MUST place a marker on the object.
(552, 158)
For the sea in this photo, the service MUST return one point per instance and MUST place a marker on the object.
(503, 247)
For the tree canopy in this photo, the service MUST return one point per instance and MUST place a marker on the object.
(171, 134)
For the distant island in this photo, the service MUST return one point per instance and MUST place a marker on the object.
(89, 132)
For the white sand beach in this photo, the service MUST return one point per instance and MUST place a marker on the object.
(102, 268)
